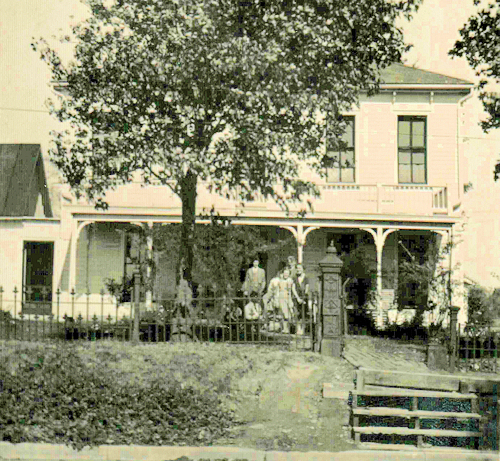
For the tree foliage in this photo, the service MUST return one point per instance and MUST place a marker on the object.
(221, 252)
(482, 307)
(480, 45)
(236, 94)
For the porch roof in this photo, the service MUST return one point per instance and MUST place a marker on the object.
(22, 180)
(406, 75)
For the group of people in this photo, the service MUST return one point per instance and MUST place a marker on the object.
(287, 300)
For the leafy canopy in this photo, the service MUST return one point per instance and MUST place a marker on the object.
(235, 93)
(480, 45)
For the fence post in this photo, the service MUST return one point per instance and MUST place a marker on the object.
(331, 306)
(496, 398)
(453, 337)
(137, 308)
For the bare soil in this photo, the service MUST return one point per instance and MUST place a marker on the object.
(276, 395)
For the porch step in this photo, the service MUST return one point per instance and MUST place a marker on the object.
(409, 431)
(422, 414)
(376, 391)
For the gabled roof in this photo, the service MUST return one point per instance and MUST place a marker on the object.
(22, 180)
(405, 75)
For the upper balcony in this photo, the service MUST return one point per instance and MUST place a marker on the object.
(358, 201)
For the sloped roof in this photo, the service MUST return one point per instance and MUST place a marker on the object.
(406, 75)
(22, 180)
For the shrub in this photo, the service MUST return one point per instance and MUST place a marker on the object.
(54, 396)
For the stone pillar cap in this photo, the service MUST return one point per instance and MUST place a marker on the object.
(331, 259)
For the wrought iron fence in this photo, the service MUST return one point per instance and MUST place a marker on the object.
(215, 319)
(478, 349)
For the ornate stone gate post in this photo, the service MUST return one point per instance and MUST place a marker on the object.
(331, 308)
(453, 337)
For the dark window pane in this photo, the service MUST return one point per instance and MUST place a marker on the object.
(412, 152)
(342, 155)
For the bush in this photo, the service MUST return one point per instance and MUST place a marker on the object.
(54, 396)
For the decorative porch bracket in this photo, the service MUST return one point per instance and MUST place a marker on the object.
(331, 309)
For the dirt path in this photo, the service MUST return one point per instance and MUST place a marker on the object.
(288, 412)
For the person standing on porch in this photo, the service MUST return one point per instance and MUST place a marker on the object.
(255, 281)
(292, 266)
(300, 291)
(284, 299)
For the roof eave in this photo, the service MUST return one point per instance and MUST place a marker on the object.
(427, 86)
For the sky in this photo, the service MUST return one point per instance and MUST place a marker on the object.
(433, 31)
(23, 76)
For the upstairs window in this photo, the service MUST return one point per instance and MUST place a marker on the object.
(412, 152)
(341, 153)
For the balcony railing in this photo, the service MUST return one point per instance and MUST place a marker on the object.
(373, 199)
(384, 199)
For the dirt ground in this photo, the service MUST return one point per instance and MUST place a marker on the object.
(276, 395)
(288, 412)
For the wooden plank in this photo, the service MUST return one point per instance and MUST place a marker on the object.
(337, 390)
(403, 447)
(409, 431)
(413, 380)
(475, 409)
(360, 379)
(422, 414)
(398, 392)
(414, 407)
(355, 419)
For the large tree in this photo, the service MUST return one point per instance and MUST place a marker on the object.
(237, 94)
(480, 45)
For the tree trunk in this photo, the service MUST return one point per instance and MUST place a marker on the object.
(188, 198)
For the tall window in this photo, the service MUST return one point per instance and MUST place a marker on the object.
(37, 280)
(341, 153)
(412, 140)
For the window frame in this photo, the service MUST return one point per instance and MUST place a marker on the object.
(340, 168)
(412, 150)
(33, 301)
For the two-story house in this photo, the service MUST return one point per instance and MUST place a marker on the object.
(399, 184)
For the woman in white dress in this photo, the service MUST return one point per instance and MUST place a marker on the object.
(279, 298)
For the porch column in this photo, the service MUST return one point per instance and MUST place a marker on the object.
(453, 282)
(300, 243)
(380, 248)
(304, 236)
(379, 237)
(297, 233)
(72, 255)
(149, 255)
(76, 228)
(379, 243)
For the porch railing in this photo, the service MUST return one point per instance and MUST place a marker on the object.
(220, 319)
(405, 199)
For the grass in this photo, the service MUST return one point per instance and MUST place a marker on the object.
(274, 396)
